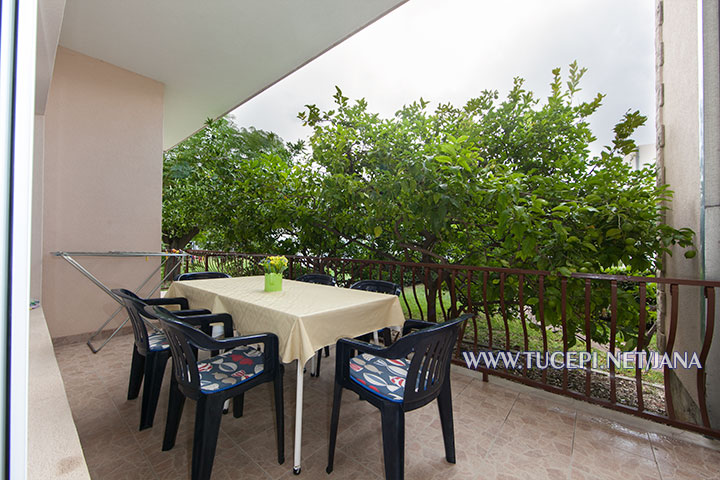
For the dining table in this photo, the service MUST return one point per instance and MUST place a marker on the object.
(306, 317)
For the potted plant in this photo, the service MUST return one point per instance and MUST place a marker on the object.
(274, 268)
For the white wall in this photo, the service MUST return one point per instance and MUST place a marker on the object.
(102, 185)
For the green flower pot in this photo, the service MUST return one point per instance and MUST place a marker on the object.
(273, 282)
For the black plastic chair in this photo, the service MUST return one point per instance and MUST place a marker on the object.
(319, 278)
(199, 276)
(151, 350)
(241, 367)
(379, 286)
(411, 373)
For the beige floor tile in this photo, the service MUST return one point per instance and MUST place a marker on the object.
(231, 462)
(593, 434)
(425, 456)
(459, 382)
(509, 460)
(127, 468)
(486, 392)
(679, 460)
(482, 416)
(261, 447)
(363, 443)
(536, 422)
(313, 467)
(610, 464)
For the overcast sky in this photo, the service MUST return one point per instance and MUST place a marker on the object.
(451, 50)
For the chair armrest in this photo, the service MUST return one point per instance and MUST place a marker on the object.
(209, 343)
(169, 301)
(413, 324)
(204, 321)
(364, 347)
(192, 312)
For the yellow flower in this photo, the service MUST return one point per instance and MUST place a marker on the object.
(274, 264)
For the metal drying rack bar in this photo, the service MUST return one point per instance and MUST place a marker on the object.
(68, 257)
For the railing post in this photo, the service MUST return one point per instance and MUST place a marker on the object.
(588, 339)
(702, 372)
(640, 346)
(563, 319)
(613, 334)
(521, 308)
(541, 318)
(503, 309)
(674, 301)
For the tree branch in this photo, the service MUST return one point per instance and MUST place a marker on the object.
(351, 240)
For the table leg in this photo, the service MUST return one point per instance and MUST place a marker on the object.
(298, 418)
(376, 339)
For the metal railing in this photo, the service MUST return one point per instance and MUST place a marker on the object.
(519, 311)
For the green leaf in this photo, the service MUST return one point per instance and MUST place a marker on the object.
(448, 149)
(564, 271)
(528, 246)
(590, 246)
(463, 163)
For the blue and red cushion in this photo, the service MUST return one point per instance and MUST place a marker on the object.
(230, 368)
(157, 341)
(383, 376)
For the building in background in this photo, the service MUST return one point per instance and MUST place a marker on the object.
(642, 157)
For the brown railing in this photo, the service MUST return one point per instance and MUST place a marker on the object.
(535, 311)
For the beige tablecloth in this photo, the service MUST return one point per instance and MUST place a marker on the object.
(304, 316)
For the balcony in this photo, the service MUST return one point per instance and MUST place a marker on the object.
(502, 430)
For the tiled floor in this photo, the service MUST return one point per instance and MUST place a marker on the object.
(502, 432)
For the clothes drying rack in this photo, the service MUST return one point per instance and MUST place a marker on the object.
(68, 257)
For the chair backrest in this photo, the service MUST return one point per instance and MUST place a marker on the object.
(380, 286)
(319, 278)
(430, 363)
(135, 307)
(199, 276)
(180, 337)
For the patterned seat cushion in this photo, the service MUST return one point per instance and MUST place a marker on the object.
(157, 341)
(382, 376)
(229, 369)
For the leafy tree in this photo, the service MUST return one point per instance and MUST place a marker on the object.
(227, 188)
(495, 183)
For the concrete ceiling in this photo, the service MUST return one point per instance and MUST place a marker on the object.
(212, 55)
